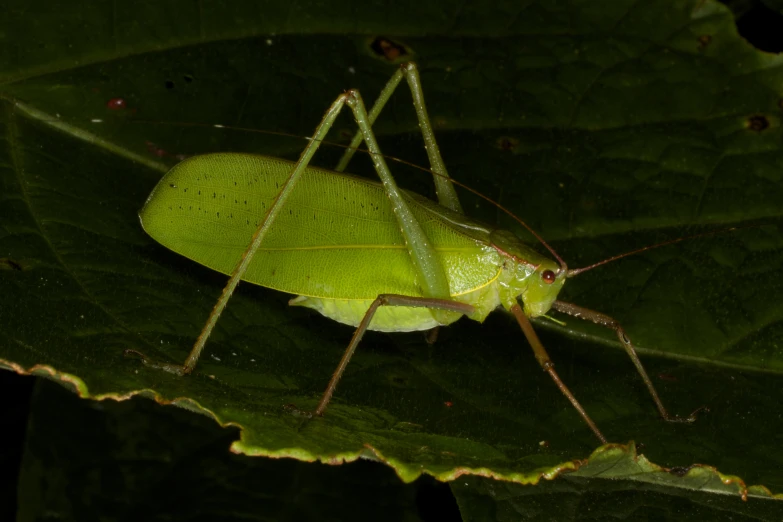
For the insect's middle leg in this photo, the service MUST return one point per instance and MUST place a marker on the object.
(381, 300)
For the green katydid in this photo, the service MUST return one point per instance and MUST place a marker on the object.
(363, 253)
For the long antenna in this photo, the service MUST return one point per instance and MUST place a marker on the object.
(576, 271)
(563, 266)
(239, 129)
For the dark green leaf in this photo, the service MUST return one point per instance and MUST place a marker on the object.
(606, 126)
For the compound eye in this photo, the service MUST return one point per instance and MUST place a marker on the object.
(548, 276)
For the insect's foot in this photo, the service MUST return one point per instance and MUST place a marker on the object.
(689, 419)
(176, 369)
(293, 410)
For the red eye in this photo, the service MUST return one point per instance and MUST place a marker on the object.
(548, 276)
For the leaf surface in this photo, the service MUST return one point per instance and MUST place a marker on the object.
(606, 127)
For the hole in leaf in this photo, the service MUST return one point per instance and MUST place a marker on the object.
(758, 123)
(388, 50)
(507, 143)
(7, 263)
(680, 471)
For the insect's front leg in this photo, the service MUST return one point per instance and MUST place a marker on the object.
(609, 322)
(255, 243)
(546, 363)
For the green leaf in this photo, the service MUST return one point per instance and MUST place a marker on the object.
(118, 460)
(606, 126)
(650, 498)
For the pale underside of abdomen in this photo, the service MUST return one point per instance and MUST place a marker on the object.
(401, 318)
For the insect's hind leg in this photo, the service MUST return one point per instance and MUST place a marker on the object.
(447, 196)
(609, 322)
(543, 359)
(258, 237)
(381, 300)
